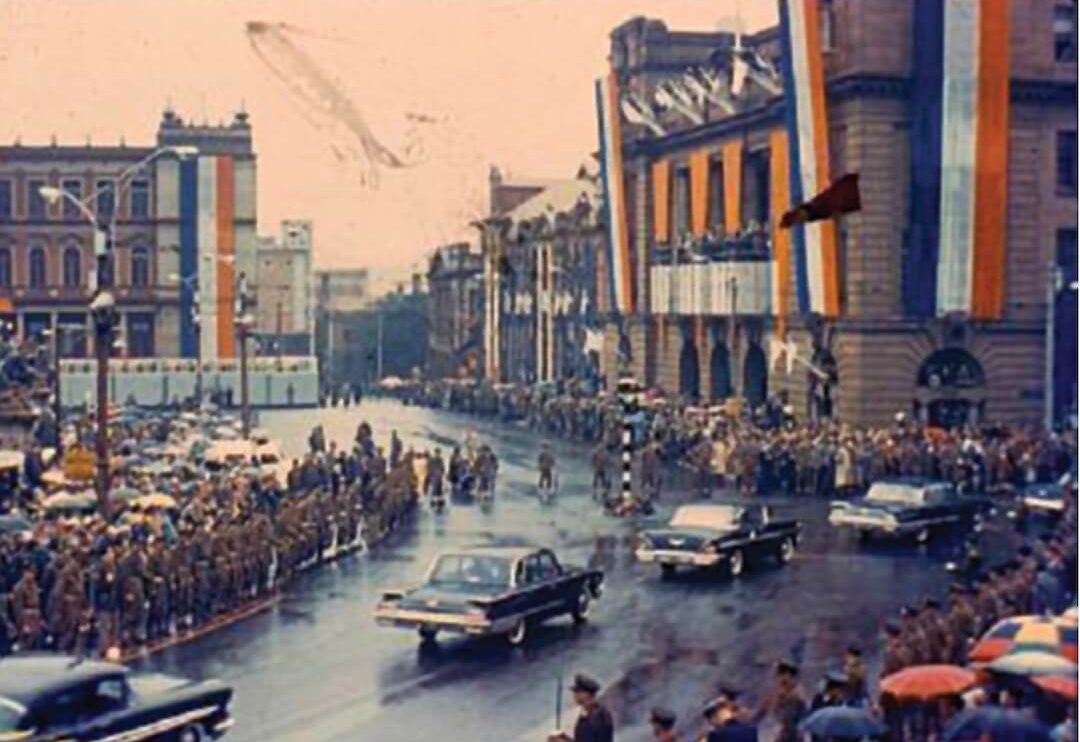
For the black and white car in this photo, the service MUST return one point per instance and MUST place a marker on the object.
(906, 507)
(718, 536)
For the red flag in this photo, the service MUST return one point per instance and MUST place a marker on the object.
(842, 197)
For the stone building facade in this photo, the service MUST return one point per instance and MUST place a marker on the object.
(540, 278)
(715, 317)
(456, 312)
(184, 232)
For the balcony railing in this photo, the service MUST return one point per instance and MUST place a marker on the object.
(719, 288)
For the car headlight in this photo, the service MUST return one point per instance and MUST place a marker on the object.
(891, 520)
(710, 548)
(644, 543)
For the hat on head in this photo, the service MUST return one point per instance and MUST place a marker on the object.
(728, 693)
(854, 650)
(584, 684)
(787, 667)
(892, 628)
(714, 705)
(663, 718)
(931, 604)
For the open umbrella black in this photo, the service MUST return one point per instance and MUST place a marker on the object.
(995, 724)
(842, 722)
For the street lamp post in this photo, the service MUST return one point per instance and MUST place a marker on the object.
(245, 322)
(103, 305)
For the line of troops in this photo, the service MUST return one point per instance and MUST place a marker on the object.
(76, 598)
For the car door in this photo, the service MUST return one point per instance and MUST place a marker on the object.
(752, 530)
(557, 589)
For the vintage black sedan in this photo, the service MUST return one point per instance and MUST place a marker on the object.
(910, 507)
(57, 697)
(491, 591)
(707, 536)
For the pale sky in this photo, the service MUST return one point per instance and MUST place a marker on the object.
(507, 82)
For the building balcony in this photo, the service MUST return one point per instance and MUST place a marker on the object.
(716, 288)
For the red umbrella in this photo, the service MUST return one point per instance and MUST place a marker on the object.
(1064, 687)
(926, 682)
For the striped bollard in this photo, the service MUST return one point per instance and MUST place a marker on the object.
(628, 391)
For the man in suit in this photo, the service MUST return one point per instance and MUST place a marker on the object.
(662, 722)
(594, 723)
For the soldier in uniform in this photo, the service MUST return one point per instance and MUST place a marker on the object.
(785, 702)
(26, 606)
(938, 638)
(961, 623)
(594, 723)
(662, 722)
(913, 636)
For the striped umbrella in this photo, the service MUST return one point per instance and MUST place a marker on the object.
(1061, 686)
(1026, 634)
(1033, 664)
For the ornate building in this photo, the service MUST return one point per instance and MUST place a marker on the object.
(932, 300)
(456, 312)
(540, 278)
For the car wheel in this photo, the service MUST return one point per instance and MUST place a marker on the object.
(667, 571)
(191, 733)
(580, 611)
(922, 535)
(787, 551)
(736, 563)
(427, 636)
(518, 634)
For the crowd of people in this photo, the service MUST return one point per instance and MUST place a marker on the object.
(765, 451)
(221, 540)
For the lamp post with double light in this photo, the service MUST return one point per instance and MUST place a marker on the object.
(103, 304)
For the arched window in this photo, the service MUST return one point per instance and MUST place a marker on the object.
(140, 267)
(6, 278)
(72, 267)
(38, 267)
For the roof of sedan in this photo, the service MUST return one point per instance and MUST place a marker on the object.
(504, 552)
(24, 678)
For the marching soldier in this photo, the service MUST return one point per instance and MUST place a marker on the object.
(26, 606)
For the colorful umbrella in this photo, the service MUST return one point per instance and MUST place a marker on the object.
(1026, 634)
(842, 721)
(1071, 615)
(1060, 686)
(927, 682)
(1030, 664)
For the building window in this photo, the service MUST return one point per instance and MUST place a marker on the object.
(140, 199)
(106, 200)
(73, 188)
(140, 335)
(1066, 253)
(827, 22)
(682, 204)
(38, 267)
(140, 267)
(1066, 163)
(72, 267)
(5, 268)
(716, 195)
(1065, 32)
(35, 208)
(5, 199)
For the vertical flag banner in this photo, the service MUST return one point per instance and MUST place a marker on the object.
(607, 103)
(226, 256)
(207, 266)
(732, 159)
(189, 259)
(960, 144)
(661, 189)
(699, 192)
(781, 238)
(815, 245)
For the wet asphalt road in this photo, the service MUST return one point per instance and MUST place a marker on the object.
(317, 668)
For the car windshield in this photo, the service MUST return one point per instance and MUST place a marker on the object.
(899, 494)
(717, 516)
(469, 569)
(11, 714)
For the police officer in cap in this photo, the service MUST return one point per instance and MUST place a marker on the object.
(594, 723)
(725, 723)
(662, 722)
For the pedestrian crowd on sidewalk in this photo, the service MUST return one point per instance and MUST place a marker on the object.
(185, 542)
(765, 450)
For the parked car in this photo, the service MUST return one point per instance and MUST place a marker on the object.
(907, 507)
(58, 697)
(708, 536)
(491, 591)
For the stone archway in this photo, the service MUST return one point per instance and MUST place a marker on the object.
(720, 384)
(950, 385)
(689, 371)
(755, 376)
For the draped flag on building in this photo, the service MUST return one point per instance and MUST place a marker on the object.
(959, 170)
(815, 244)
(620, 282)
(207, 257)
(699, 192)
(781, 238)
(731, 152)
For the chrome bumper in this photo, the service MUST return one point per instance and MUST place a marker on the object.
(671, 556)
(403, 618)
